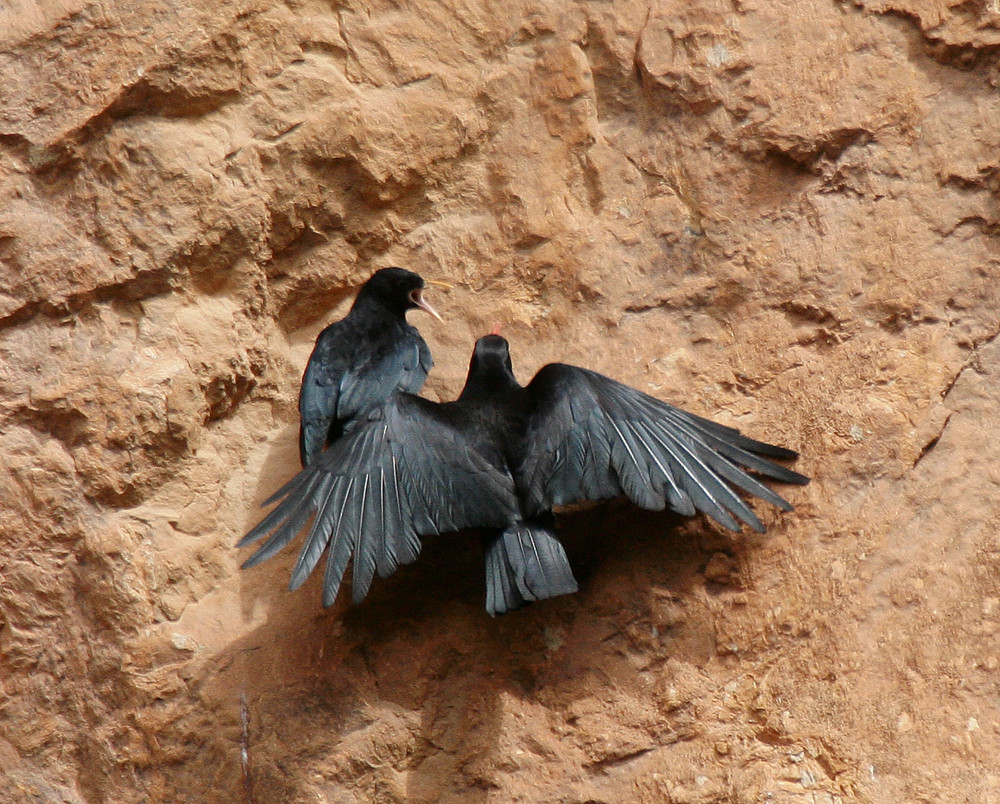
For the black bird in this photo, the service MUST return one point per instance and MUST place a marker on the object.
(501, 457)
(359, 361)
(525, 560)
(583, 436)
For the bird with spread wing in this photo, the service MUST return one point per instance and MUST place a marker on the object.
(501, 457)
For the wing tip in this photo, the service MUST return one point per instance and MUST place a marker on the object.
(331, 589)
(773, 450)
(254, 560)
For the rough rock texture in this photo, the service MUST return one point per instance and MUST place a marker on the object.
(781, 215)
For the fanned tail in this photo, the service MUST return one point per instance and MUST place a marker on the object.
(525, 563)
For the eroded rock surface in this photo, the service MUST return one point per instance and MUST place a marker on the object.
(780, 215)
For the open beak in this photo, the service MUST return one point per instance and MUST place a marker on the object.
(417, 297)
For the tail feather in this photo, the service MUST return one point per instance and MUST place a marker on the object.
(524, 563)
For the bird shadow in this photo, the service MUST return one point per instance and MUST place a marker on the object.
(408, 695)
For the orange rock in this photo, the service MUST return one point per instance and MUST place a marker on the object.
(781, 216)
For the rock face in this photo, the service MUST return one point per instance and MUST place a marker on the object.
(782, 216)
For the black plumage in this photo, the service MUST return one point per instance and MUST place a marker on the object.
(577, 435)
(359, 361)
(405, 469)
(501, 457)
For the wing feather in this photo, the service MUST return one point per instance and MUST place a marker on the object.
(284, 524)
(368, 536)
(316, 539)
(409, 468)
(591, 438)
(341, 545)
(348, 374)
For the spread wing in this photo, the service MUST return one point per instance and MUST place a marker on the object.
(591, 438)
(409, 468)
(348, 373)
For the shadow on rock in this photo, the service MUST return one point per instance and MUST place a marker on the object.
(418, 695)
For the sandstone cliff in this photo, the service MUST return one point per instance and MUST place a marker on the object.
(780, 215)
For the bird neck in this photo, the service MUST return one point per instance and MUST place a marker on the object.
(486, 382)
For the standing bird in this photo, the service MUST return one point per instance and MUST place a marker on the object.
(501, 457)
(359, 361)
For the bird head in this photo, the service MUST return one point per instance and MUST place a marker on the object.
(490, 370)
(400, 290)
(492, 349)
